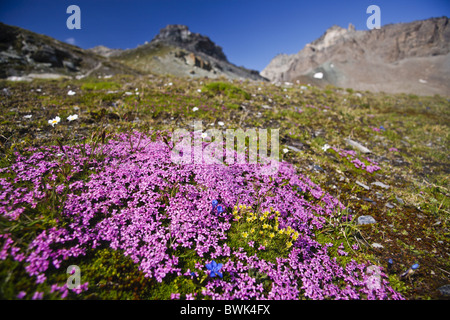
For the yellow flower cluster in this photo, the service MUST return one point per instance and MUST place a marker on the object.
(262, 227)
(290, 232)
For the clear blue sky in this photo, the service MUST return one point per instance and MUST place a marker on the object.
(250, 32)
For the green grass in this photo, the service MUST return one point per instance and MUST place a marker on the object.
(226, 89)
(100, 85)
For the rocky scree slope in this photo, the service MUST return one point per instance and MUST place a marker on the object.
(25, 55)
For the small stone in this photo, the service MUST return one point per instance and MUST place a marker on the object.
(367, 199)
(358, 146)
(294, 149)
(318, 168)
(399, 200)
(381, 185)
(366, 220)
(445, 290)
(377, 245)
(362, 185)
(390, 206)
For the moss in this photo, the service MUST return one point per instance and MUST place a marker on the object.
(101, 85)
(226, 89)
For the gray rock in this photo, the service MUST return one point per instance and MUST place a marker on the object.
(366, 220)
(399, 200)
(381, 185)
(318, 168)
(377, 245)
(445, 290)
(6, 92)
(294, 148)
(357, 145)
(390, 206)
(70, 65)
(368, 200)
(362, 185)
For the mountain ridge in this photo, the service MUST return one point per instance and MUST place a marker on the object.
(178, 51)
(25, 55)
(407, 57)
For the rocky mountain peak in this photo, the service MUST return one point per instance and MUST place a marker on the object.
(409, 57)
(174, 33)
(181, 36)
(330, 37)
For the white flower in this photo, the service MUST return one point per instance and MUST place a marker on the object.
(72, 117)
(28, 116)
(325, 147)
(285, 150)
(54, 121)
(170, 83)
(220, 123)
(204, 135)
(71, 93)
(194, 109)
(199, 90)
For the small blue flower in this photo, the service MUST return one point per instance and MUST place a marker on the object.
(390, 261)
(214, 203)
(219, 209)
(382, 128)
(214, 267)
(410, 271)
